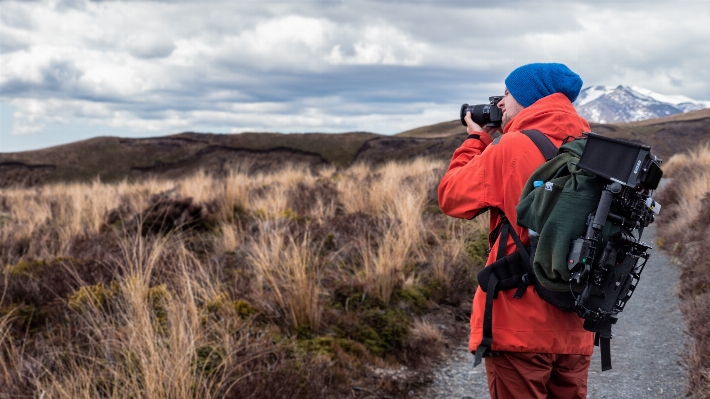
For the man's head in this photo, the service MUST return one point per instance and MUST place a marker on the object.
(531, 82)
(510, 107)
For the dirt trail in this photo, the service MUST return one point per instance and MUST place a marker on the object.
(646, 348)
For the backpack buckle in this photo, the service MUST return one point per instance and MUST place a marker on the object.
(524, 283)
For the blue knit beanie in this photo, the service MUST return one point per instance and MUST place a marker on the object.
(532, 82)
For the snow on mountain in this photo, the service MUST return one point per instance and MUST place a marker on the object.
(592, 93)
(609, 104)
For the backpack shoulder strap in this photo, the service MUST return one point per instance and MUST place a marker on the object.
(542, 142)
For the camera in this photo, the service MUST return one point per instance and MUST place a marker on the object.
(484, 114)
(611, 272)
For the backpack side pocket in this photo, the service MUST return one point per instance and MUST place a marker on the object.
(534, 210)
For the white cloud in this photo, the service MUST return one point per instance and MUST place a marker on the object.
(33, 115)
(381, 45)
(279, 34)
(160, 67)
(150, 46)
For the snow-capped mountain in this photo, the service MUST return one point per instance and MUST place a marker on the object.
(609, 104)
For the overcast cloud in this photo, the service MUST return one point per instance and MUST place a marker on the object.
(71, 70)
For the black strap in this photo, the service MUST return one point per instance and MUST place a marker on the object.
(605, 347)
(525, 281)
(602, 340)
(519, 244)
(543, 143)
(522, 251)
(503, 237)
(474, 136)
(485, 345)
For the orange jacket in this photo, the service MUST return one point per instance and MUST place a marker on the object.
(484, 175)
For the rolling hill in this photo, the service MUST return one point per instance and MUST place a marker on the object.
(113, 158)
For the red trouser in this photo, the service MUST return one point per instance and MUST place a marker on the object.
(537, 375)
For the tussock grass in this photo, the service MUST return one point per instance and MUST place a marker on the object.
(684, 228)
(291, 270)
(294, 283)
(700, 157)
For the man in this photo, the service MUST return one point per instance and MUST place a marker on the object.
(538, 350)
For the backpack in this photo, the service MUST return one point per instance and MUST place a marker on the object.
(574, 212)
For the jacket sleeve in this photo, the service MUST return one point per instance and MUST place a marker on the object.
(474, 179)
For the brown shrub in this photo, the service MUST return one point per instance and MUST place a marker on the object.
(683, 228)
(702, 221)
(302, 198)
(35, 291)
(671, 195)
(165, 214)
(38, 282)
(283, 375)
(423, 345)
(13, 250)
(123, 212)
(462, 285)
(697, 315)
(346, 227)
(99, 247)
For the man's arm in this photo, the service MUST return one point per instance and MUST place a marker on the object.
(470, 184)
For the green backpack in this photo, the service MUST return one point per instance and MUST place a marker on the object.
(556, 202)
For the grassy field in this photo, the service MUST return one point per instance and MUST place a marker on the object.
(684, 228)
(297, 283)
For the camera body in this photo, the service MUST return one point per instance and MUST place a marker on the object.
(484, 114)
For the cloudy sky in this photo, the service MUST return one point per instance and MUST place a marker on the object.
(71, 70)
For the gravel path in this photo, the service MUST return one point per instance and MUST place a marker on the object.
(648, 340)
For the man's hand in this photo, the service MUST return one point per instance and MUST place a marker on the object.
(473, 128)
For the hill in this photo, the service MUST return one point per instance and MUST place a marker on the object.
(443, 129)
(113, 158)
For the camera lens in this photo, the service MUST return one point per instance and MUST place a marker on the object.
(482, 114)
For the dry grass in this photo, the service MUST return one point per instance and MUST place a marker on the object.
(286, 284)
(422, 330)
(291, 271)
(700, 157)
(453, 247)
(684, 227)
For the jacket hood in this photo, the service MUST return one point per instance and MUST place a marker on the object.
(553, 115)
